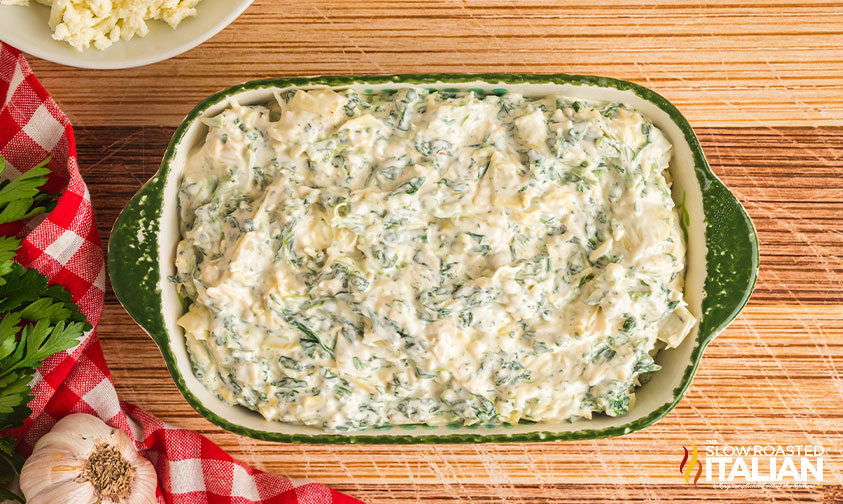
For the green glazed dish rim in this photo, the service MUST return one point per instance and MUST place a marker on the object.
(732, 256)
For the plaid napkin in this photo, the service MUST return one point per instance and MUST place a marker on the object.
(65, 247)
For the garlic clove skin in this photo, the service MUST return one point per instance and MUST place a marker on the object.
(81, 423)
(144, 484)
(65, 442)
(53, 468)
(61, 453)
(78, 426)
(84, 461)
(66, 491)
(145, 481)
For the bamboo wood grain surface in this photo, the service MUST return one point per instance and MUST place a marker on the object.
(762, 83)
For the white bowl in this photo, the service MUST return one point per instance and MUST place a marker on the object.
(27, 29)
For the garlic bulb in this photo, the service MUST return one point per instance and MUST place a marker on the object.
(84, 461)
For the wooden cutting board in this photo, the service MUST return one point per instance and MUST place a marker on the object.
(761, 81)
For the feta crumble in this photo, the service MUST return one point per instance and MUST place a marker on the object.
(99, 23)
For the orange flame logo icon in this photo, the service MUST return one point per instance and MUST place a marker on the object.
(687, 466)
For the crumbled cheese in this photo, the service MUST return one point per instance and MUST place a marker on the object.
(100, 23)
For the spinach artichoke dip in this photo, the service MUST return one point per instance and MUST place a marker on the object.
(352, 260)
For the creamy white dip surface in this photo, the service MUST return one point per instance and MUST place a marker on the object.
(353, 259)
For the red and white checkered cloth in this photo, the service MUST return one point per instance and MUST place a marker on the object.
(65, 247)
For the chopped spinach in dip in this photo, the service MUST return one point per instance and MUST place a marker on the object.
(415, 256)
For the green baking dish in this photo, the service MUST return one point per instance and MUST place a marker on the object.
(722, 261)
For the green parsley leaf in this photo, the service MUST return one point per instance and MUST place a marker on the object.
(14, 393)
(21, 198)
(8, 335)
(37, 319)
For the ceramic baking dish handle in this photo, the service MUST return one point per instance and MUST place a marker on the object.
(731, 257)
(133, 259)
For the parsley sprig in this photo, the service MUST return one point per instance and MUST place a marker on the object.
(21, 198)
(37, 319)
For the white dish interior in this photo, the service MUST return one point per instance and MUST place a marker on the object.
(26, 28)
(660, 390)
